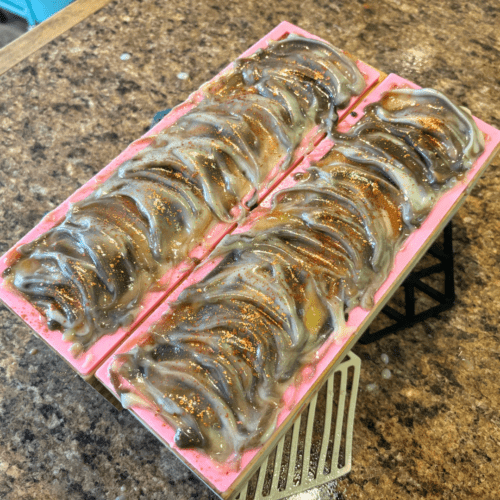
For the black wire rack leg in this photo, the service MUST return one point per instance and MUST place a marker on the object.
(446, 300)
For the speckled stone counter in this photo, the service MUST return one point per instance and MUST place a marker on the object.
(431, 430)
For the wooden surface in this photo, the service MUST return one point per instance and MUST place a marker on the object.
(40, 35)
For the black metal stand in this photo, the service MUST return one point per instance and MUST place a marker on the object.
(444, 253)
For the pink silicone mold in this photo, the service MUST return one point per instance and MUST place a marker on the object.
(87, 363)
(221, 477)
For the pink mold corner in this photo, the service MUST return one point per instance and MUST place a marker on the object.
(87, 363)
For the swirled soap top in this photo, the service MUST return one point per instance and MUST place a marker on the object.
(216, 366)
(90, 272)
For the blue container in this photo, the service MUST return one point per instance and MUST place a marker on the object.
(34, 11)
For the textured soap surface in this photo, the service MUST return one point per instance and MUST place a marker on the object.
(89, 273)
(216, 366)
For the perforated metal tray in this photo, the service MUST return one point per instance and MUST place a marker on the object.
(318, 447)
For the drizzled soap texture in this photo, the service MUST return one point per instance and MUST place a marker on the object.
(89, 274)
(215, 368)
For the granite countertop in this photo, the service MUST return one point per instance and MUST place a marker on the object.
(432, 430)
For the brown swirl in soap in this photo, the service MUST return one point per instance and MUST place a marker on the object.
(215, 368)
(89, 273)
